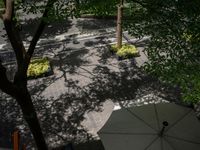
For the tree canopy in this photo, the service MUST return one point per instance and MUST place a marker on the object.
(174, 47)
(99, 8)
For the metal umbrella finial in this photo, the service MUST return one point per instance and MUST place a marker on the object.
(165, 124)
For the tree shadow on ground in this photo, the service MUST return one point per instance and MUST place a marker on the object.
(62, 102)
(84, 80)
(101, 40)
(89, 24)
(51, 30)
(7, 123)
(27, 31)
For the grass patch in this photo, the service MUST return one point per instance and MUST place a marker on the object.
(126, 51)
(38, 67)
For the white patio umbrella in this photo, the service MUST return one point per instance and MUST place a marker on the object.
(152, 127)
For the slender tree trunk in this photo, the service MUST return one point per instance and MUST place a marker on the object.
(18, 88)
(119, 26)
(29, 114)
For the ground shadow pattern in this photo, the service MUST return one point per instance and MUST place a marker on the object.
(84, 79)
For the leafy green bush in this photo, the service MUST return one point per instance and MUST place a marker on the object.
(126, 51)
(38, 67)
(114, 48)
(99, 8)
(1, 4)
(187, 36)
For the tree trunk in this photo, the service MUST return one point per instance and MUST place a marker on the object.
(119, 26)
(18, 88)
(29, 114)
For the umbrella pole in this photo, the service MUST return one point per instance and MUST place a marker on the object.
(165, 124)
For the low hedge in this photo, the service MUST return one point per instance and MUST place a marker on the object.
(38, 67)
(126, 51)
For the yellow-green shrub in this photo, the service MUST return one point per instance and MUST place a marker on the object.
(38, 67)
(125, 51)
(114, 48)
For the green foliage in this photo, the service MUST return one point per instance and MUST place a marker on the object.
(174, 47)
(99, 7)
(187, 37)
(68, 8)
(61, 8)
(1, 4)
(38, 67)
(114, 48)
(126, 51)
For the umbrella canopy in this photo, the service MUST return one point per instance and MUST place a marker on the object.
(152, 127)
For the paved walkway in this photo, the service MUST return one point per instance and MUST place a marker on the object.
(87, 84)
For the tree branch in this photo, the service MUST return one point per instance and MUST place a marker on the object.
(12, 33)
(39, 30)
(9, 9)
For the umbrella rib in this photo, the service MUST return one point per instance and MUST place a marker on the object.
(169, 143)
(157, 118)
(161, 143)
(140, 119)
(127, 133)
(181, 139)
(151, 143)
(181, 118)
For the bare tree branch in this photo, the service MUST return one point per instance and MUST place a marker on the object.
(12, 33)
(9, 9)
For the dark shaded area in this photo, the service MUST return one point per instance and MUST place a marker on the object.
(6, 128)
(90, 145)
(2, 33)
(27, 30)
(88, 25)
(53, 29)
(113, 17)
